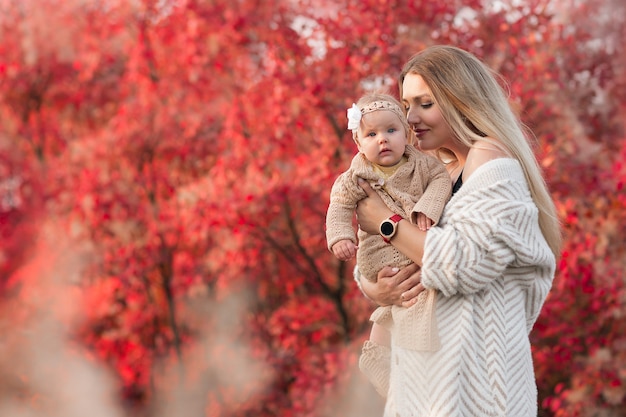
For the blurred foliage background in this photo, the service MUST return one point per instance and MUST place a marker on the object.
(165, 167)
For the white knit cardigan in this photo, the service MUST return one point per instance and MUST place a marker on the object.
(493, 269)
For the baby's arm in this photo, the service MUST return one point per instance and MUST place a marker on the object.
(340, 214)
(436, 194)
(423, 222)
(344, 249)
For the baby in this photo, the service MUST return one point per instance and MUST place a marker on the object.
(416, 187)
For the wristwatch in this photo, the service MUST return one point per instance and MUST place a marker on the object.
(389, 226)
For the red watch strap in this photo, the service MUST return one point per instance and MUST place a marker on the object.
(395, 218)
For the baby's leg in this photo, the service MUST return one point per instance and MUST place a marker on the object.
(380, 335)
(375, 360)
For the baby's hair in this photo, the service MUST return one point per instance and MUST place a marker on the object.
(381, 101)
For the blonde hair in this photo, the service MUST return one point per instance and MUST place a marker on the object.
(476, 108)
(365, 104)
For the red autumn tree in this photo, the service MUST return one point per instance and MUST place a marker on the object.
(185, 152)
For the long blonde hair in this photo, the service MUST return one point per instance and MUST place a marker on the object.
(476, 108)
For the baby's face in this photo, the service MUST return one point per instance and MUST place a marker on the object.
(382, 137)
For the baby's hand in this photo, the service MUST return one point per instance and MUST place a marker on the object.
(344, 249)
(423, 222)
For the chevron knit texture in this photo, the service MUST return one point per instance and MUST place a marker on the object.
(493, 270)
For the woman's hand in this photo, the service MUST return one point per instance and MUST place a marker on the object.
(371, 210)
(395, 286)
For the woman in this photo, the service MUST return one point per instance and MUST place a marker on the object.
(492, 258)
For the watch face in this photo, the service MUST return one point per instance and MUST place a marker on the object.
(386, 228)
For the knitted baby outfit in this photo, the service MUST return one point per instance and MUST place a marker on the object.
(420, 185)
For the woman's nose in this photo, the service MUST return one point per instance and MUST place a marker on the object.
(412, 116)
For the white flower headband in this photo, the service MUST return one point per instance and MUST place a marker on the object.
(354, 118)
(355, 114)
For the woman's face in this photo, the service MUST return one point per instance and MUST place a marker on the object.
(424, 115)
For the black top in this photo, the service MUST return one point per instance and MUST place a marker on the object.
(457, 185)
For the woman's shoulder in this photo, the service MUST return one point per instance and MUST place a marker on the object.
(480, 153)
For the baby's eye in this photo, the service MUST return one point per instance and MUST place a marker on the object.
(371, 134)
(391, 130)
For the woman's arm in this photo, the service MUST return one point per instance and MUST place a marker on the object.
(371, 211)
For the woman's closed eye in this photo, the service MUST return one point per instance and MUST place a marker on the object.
(424, 106)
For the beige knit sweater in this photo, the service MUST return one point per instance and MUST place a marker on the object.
(422, 184)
